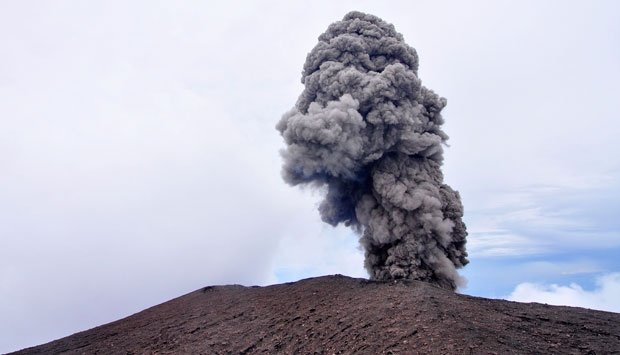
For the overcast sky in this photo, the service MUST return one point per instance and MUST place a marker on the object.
(139, 157)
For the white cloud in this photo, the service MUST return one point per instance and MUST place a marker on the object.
(493, 243)
(323, 251)
(541, 219)
(605, 296)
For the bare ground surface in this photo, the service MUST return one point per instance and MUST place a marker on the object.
(342, 315)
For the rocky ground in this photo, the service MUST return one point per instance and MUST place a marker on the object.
(342, 315)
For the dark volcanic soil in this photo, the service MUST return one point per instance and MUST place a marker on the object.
(342, 315)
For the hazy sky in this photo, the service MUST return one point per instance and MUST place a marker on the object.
(139, 157)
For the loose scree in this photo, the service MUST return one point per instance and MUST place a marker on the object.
(367, 131)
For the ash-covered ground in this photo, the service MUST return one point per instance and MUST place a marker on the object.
(342, 315)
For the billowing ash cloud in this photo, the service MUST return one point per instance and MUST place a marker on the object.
(367, 130)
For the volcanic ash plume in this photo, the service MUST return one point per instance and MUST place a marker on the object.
(367, 131)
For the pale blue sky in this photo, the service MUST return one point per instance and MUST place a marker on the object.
(139, 156)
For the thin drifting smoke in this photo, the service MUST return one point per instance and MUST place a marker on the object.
(367, 130)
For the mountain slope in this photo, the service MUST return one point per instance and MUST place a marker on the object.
(337, 314)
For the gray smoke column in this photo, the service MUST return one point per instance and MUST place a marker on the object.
(368, 132)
